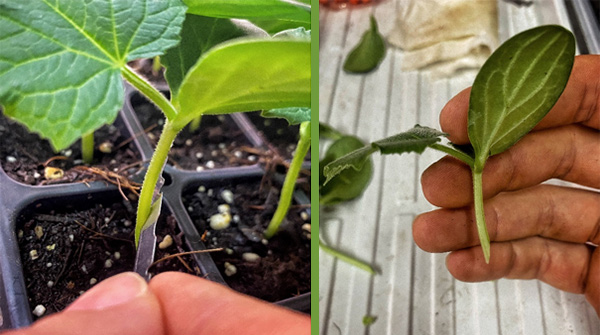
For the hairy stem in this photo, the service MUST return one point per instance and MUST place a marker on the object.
(454, 153)
(484, 238)
(87, 148)
(290, 180)
(155, 169)
(150, 92)
(350, 260)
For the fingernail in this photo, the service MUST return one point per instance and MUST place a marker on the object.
(112, 291)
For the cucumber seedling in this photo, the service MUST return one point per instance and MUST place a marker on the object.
(513, 91)
(62, 64)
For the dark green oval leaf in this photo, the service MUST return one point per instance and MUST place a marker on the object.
(517, 87)
(350, 183)
(368, 53)
(60, 61)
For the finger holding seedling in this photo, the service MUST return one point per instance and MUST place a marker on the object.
(546, 232)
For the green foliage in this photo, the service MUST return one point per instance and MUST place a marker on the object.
(505, 105)
(293, 115)
(513, 91)
(61, 61)
(198, 35)
(348, 184)
(251, 9)
(416, 140)
(246, 75)
(369, 320)
(368, 53)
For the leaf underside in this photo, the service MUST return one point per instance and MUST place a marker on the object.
(517, 87)
(60, 61)
(293, 115)
(416, 140)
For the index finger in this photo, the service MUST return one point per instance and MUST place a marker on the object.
(579, 103)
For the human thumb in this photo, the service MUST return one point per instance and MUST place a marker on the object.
(121, 304)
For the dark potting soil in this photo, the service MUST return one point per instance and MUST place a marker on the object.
(65, 252)
(218, 142)
(283, 267)
(282, 137)
(23, 155)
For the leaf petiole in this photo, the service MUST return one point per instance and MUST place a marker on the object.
(454, 153)
(87, 148)
(350, 260)
(484, 237)
(150, 92)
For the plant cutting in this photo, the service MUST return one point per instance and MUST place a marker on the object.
(514, 90)
(79, 53)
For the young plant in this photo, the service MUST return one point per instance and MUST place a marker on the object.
(293, 116)
(513, 91)
(62, 76)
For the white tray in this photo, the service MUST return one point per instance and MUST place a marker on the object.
(414, 294)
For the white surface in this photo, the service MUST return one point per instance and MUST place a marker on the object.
(414, 294)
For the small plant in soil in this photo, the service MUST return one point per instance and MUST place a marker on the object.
(513, 91)
(62, 75)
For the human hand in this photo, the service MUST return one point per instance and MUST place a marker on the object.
(537, 231)
(172, 303)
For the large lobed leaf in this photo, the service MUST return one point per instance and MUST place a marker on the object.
(246, 75)
(416, 140)
(60, 60)
(517, 87)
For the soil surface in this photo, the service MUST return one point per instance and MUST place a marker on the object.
(280, 136)
(24, 156)
(282, 269)
(67, 251)
(218, 142)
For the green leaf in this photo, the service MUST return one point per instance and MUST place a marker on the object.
(368, 53)
(416, 140)
(350, 183)
(517, 87)
(369, 320)
(293, 115)
(251, 9)
(60, 61)
(246, 75)
(299, 33)
(198, 35)
(326, 131)
(274, 26)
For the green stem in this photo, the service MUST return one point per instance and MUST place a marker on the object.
(290, 180)
(454, 153)
(156, 65)
(484, 238)
(155, 169)
(87, 148)
(350, 260)
(195, 124)
(150, 92)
